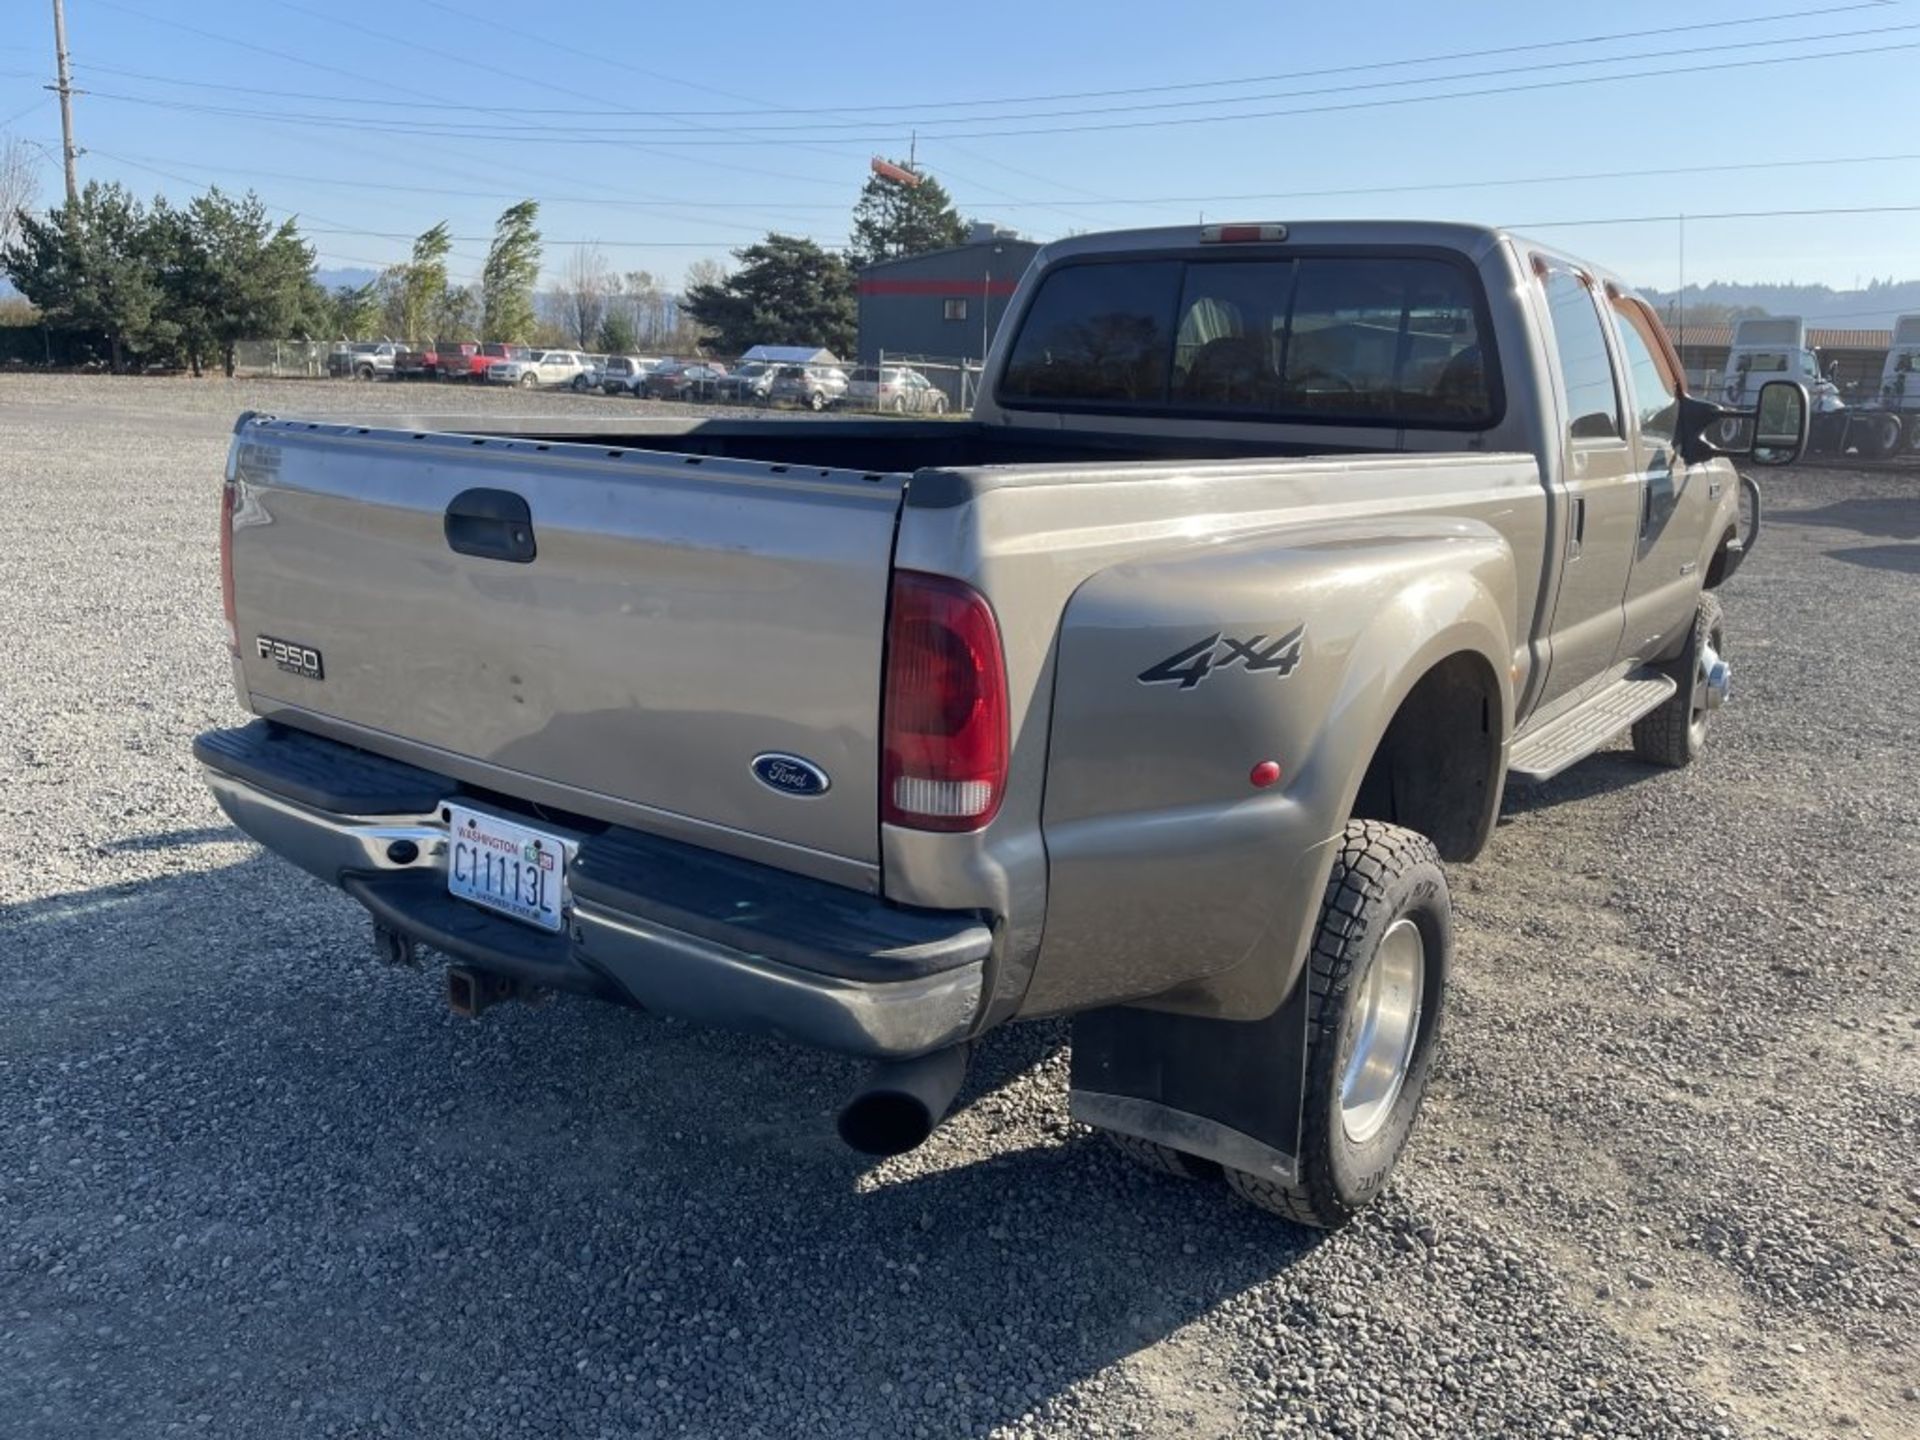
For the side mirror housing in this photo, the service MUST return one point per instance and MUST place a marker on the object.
(1780, 423)
(1774, 432)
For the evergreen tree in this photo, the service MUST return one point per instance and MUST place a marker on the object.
(92, 268)
(894, 219)
(229, 274)
(786, 291)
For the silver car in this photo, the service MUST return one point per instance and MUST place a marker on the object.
(894, 388)
(817, 387)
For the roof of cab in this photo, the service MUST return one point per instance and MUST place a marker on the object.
(1472, 241)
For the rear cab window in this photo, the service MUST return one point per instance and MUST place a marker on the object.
(1349, 338)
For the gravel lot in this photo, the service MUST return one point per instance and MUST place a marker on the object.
(1668, 1183)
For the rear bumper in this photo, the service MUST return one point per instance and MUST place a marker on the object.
(652, 922)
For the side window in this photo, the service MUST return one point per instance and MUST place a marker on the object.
(1593, 412)
(1656, 397)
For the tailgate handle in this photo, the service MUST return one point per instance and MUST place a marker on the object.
(492, 525)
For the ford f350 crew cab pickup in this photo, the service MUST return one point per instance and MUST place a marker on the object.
(1155, 694)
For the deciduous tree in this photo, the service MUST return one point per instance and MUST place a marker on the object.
(422, 283)
(511, 272)
(586, 291)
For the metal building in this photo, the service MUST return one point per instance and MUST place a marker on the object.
(946, 303)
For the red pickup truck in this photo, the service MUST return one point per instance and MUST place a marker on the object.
(481, 358)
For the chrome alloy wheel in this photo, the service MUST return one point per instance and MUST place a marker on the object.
(1383, 1022)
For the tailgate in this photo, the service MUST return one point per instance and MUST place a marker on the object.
(679, 618)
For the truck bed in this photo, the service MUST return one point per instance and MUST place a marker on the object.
(897, 446)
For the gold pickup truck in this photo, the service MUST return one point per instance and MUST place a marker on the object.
(1156, 693)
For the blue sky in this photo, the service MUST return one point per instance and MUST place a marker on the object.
(669, 133)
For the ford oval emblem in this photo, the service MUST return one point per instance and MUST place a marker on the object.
(790, 775)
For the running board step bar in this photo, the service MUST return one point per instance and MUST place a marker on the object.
(1541, 754)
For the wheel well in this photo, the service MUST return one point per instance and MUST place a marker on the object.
(1436, 768)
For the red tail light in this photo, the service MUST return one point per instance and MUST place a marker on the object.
(944, 710)
(226, 567)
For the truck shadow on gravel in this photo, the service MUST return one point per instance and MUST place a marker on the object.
(1904, 559)
(1893, 518)
(323, 1187)
(1599, 774)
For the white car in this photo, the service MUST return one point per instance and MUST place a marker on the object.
(623, 374)
(543, 367)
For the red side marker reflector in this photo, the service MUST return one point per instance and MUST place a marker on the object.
(1264, 774)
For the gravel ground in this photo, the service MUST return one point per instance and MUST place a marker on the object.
(252, 1185)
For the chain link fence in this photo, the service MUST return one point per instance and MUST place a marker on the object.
(281, 359)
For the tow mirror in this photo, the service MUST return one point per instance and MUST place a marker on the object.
(1780, 423)
(1773, 433)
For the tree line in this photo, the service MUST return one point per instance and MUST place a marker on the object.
(156, 284)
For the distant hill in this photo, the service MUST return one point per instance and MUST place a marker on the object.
(350, 277)
(1873, 308)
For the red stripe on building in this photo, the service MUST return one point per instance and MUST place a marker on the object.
(952, 289)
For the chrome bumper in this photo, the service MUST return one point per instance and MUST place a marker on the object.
(396, 867)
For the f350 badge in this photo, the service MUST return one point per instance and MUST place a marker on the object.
(1257, 654)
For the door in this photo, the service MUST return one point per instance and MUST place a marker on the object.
(1602, 484)
(1676, 500)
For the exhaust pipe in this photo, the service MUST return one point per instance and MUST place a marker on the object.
(900, 1101)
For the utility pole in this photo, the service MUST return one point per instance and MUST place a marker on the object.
(69, 151)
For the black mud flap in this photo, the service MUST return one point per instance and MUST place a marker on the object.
(1227, 1090)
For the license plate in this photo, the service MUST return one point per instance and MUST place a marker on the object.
(508, 867)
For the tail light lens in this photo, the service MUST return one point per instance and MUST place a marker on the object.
(944, 709)
(226, 567)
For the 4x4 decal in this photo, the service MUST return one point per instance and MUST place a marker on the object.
(1187, 668)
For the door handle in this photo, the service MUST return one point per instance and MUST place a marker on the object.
(1578, 533)
(1646, 507)
(491, 525)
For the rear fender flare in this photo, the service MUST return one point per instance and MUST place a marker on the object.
(1171, 874)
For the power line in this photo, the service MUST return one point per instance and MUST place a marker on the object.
(1156, 105)
(385, 87)
(773, 206)
(447, 131)
(490, 195)
(1693, 215)
(919, 106)
(22, 114)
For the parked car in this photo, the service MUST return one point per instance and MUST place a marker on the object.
(894, 388)
(817, 387)
(416, 362)
(541, 369)
(1156, 694)
(493, 352)
(746, 385)
(622, 374)
(592, 368)
(453, 360)
(365, 360)
(682, 380)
